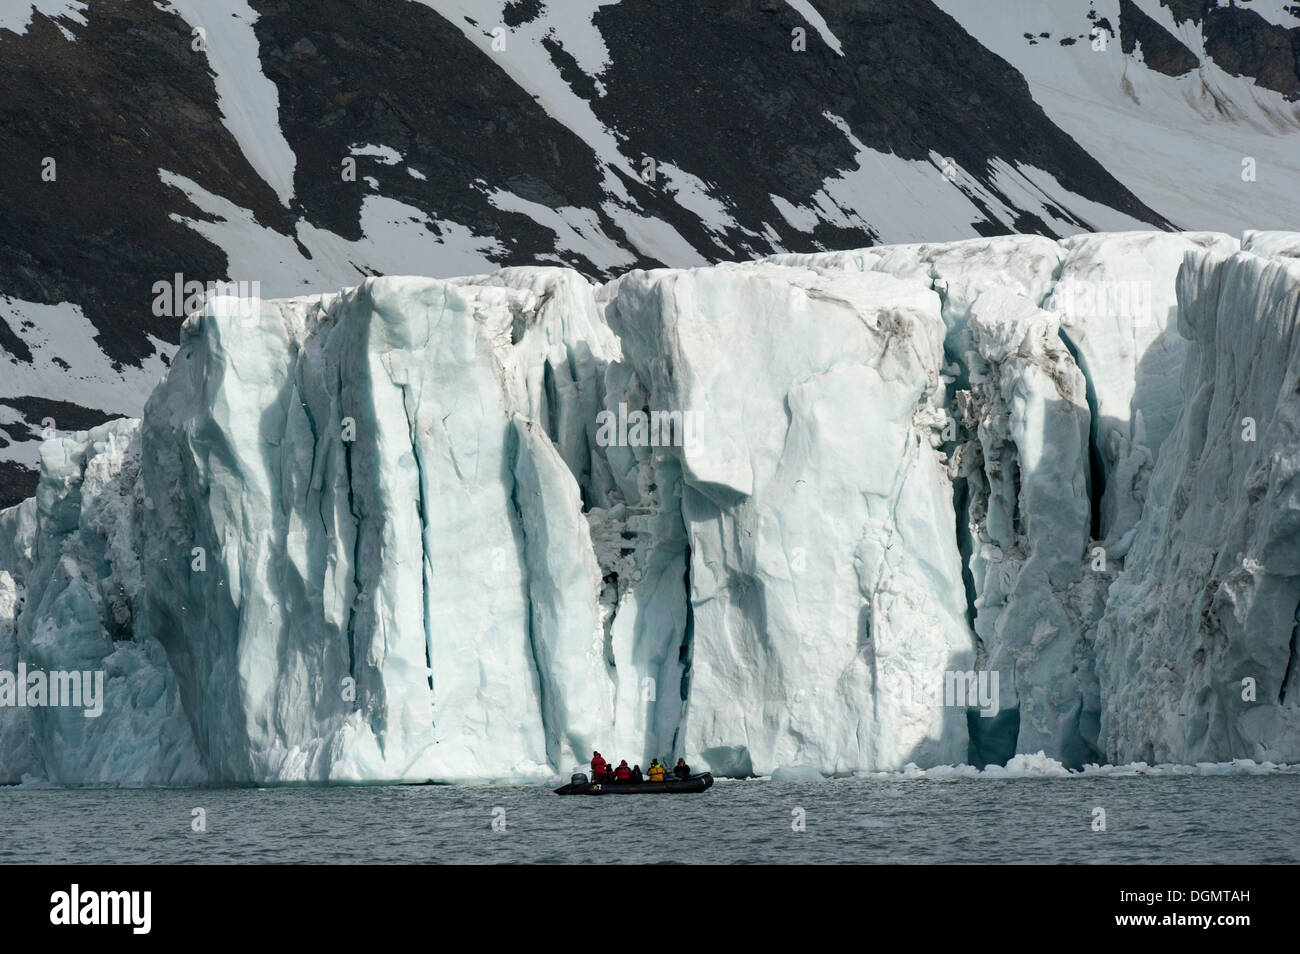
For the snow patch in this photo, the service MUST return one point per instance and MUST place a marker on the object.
(815, 20)
(18, 15)
(249, 101)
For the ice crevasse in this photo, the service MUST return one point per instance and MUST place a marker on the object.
(755, 515)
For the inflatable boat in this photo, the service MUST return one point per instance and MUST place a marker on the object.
(579, 785)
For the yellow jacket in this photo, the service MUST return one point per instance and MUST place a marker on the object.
(656, 773)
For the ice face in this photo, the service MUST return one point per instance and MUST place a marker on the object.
(71, 598)
(825, 582)
(1117, 300)
(925, 504)
(1197, 651)
(1028, 509)
(372, 505)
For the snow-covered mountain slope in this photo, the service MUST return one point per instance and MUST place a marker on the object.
(304, 147)
(1194, 105)
(755, 514)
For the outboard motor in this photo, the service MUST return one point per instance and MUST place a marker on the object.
(578, 778)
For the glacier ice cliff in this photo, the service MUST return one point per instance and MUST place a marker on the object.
(1197, 649)
(760, 514)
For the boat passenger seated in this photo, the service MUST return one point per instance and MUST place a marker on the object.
(636, 774)
(622, 773)
(681, 769)
(656, 772)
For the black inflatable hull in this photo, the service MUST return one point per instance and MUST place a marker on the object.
(675, 786)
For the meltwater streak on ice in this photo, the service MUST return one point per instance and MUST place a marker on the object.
(373, 536)
(1175, 819)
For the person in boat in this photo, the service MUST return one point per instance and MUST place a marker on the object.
(636, 774)
(597, 767)
(656, 772)
(681, 769)
(622, 773)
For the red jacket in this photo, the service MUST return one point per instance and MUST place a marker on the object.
(597, 768)
(622, 773)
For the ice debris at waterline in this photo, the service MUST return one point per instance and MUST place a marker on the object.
(390, 534)
(1038, 765)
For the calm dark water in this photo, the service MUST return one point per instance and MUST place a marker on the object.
(1184, 819)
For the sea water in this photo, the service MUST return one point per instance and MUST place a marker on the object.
(1123, 818)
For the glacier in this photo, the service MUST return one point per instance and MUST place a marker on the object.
(390, 534)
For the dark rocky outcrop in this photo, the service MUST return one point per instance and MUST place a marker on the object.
(1161, 50)
(1243, 43)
